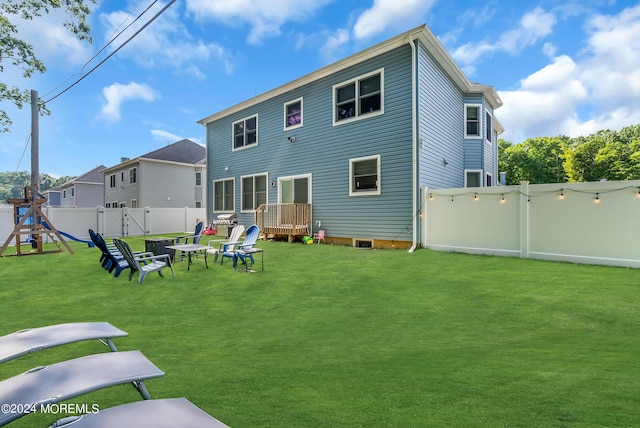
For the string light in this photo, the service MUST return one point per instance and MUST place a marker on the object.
(475, 197)
(561, 197)
(431, 196)
(502, 199)
(597, 198)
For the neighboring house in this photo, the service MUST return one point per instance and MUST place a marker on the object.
(356, 140)
(82, 191)
(53, 197)
(173, 176)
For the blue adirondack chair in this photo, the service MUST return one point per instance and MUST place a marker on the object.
(250, 239)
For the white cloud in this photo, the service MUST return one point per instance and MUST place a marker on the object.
(165, 42)
(265, 17)
(118, 93)
(391, 14)
(533, 27)
(333, 43)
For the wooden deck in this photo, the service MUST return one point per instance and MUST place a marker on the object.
(291, 220)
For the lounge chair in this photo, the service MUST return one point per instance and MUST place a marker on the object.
(30, 340)
(195, 238)
(144, 264)
(62, 381)
(112, 259)
(169, 412)
(236, 253)
(236, 232)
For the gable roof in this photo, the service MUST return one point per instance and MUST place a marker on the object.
(94, 177)
(421, 33)
(183, 151)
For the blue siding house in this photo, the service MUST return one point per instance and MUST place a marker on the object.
(347, 148)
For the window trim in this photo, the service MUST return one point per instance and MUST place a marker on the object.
(477, 171)
(488, 180)
(488, 129)
(112, 181)
(298, 125)
(266, 190)
(355, 80)
(480, 122)
(198, 178)
(378, 189)
(213, 195)
(233, 133)
(134, 203)
(309, 178)
(133, 175)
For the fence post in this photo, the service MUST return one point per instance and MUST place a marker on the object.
(147, 220)
(100, 221)
(524, 219)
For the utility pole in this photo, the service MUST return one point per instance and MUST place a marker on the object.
(35, 142)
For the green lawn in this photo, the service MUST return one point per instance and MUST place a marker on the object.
(332, 336)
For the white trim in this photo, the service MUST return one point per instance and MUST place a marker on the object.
(480, 122)
(299, 125)
(488, 174)
(378, 189)
(480, 173)
(135, 168)
(233, 136)
(266, 182)
(488, 112)
(358, 115)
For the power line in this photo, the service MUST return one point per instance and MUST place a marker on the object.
(115, 51)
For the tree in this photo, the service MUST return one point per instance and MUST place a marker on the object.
(12, 184)
(16, 52)
(536, 160)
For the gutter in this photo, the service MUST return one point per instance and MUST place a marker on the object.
(414, 132)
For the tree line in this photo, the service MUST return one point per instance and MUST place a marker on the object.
(604, 155)
(12, 184)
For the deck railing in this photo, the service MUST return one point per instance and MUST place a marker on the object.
(284, 219)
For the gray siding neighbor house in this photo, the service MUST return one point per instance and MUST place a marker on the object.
(85, 190)
(170, 177)
(347, 148)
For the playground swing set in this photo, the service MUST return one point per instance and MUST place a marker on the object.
(30, 220)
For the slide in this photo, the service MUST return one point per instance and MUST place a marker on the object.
(73, 238)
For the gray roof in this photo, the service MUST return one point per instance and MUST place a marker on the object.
(184, 151)
(93, 176)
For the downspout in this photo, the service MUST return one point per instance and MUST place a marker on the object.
(414, 159)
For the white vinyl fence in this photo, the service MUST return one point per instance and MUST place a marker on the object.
(594, 223)
(111, 222)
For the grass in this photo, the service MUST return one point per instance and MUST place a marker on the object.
(333, 336)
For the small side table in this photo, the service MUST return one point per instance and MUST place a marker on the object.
(248, 252)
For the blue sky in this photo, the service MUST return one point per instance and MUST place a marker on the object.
(561, 68)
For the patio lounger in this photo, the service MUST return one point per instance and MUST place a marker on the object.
(62, 381)
(166, 413)
(30, 340)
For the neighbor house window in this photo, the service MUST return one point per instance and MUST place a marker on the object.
(134, 203)
(472, 121)
(488, 123)
(245, 132)
(223, 192)
(64, 194)
(73, 192)
(359, 97)
(472, 178)
(112, 181)
(254, 192)
(133, 175)
(293, 114)
(198, 179)
(364, 176)
(198, 204)
(107, 205)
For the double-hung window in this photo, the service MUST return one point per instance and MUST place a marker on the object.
(293, 114)
(133, 175)
(488, 125)
(254, 191)
(112, 181)
(359, 97)
(472, 121)
(245, 132)
(223, 191)
(364, 176)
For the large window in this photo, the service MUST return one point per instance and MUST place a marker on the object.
(293, 114)
(223, 191)
(245, 132)
(133, 175)
(472, 121)
(112, 181)
(359, 97)
(254, 192)
(364, 176)
(198, 179)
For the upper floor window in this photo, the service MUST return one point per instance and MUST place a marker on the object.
(223, 191)
(245, 132)
(488, 127)
(359, 97)
(73, 192)
(254, 192)
(198, 179)
(112, 181)
(133, 175)
(472, 121)
(293, 114)
(364, 176)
